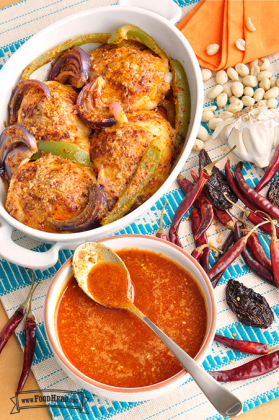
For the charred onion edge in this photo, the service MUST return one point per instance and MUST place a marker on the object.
(90, 216)
(25, 153)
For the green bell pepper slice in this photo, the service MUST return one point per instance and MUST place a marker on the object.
(182, 100)
(144, 172)
(136, 34)
(65, 150)
(54, 52)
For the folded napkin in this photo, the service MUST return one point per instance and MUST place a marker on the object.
(223, 22)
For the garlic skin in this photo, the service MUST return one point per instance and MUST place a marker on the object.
(254, 132)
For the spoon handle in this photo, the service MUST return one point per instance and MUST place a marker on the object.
(222, 399)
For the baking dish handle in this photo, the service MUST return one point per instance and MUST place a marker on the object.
(166, 8)
(16, 254)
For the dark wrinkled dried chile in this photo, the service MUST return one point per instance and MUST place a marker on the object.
(250, 307)
(217, 184)
(273, 192)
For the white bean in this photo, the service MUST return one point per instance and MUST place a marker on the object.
(241, 69)
(225, 115)
(221, 77)
(210, 108)
(214, 122)
(237, 89)
(250, 81)
(203, 134)
(207, 115)
(265, 84)
(255, 70)
(272, 93)
(236, 106)
(264, 74)
(271, 103)
(254, 63)
(233, 99)
(277, 82)
(262, 102)
(248, 101)
(206, 74)
(198, 145)
(222, 100)
(232, 73)
(272, 81)
(265, 64)
(227, 90)
(258, 94)
(212, 49)
(248, 91)
(215, 91)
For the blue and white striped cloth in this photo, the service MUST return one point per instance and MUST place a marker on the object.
(17, 24)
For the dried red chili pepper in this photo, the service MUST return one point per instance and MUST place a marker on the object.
(198, 252)
(230, 256)
(259, 201)
(226, 246)
(234, 187)
(253, 264)
(195, 223)
(221, 215)
(274, 253)
(30, 343)
(258, 252)
(191, 197)
(257, 367)
(251, 347)
(160, 232)
(250, 307)
(270, 171)
(15, 320)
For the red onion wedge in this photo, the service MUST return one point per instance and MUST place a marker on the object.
(10, 139)
(17, 95)
(118, 112)
(14, 159)
(90, 105)
(89, 219)
(72, 66)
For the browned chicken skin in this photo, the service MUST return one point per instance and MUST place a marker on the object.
(131, 75)
(54, 118)
(117, 150)
(50, 187)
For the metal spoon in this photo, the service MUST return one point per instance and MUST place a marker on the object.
(89, 254)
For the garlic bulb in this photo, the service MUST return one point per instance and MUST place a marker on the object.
(255, 133)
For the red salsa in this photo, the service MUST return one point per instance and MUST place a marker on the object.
(114, 347)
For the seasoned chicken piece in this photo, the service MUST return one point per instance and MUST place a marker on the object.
(50, 187)
(54, 118)
(117, 150)
(131, 75)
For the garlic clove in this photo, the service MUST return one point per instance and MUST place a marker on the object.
(236, 139)
(256, 138)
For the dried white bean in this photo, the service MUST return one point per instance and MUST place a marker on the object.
(203, 134)
(271, 103)
(207, 115)
(264, 64)
(272, 93)
(237, 89)
(248, 91)
(254, 63)
(277, 82)
(221, 77)
(206, 74)
(250, 81)
(215, 91)
(249, 25)
(210, 108)
(214, 122)
(232, 73)
(264, 74)
(241, 69)
(233, 99)
(248, 101)
(198, 145)
(272, 81)
(225, 115)
(255, 70)
(236, 106)
(227, 90)
(222, 100)
(262, 102)
(212, 49)
(265, 83)
(240, 44)
(258, 94)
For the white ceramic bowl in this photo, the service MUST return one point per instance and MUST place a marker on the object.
(148, 392)
(103, 19)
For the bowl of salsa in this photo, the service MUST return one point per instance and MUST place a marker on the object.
(112, 353)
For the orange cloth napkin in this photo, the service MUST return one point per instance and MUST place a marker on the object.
(223, 22)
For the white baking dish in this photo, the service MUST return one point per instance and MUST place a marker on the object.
(103, 19)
